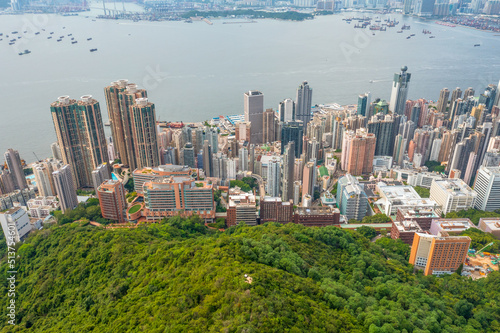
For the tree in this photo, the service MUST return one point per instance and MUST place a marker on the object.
(377, 218)
(422, 191)
(366, 231)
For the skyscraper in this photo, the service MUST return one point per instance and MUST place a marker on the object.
(487, 187)
(80, 135)
(269, 126)
(287, 170)
(364, 102)
(254, 109)
(243, 159)
(399, 91)
(309, 179)
(444, 95)
(120, 96)
(303, 103)
(15, 168)
(292, 131)
(207, 159)
(100, 174)
(273, 177)
(65, 188)
(143, 123)
(111, 195)
(358, 150)
(187, 154)
(286, 110)
(56, 151)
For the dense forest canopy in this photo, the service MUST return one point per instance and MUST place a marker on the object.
(179, 276)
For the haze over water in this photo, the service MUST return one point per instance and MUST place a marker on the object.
(196, 71)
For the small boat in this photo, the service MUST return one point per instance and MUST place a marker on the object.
(14, 32)
(412, 35)
(93, 50)
(1, 34)
(61, 37)
(25, 52)
(52, 33)
(70, 34)
(64, 27)
(408, 37)
(49, 37)
(43, 29)
(89, 38)
(477, 45)
(72, 38)
(25, 31)
(432, 36)
(13, 40)
(12, 43)
(405, 27)
(400, 31)
(37, 33)
(74, 42)
(59, 40)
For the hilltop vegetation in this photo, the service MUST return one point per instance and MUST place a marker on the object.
(179, 276)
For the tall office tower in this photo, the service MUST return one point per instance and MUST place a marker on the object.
(292, 131)
(351, 198)
(273, 177)
(491, 158)
(407, 130)
(438, 255)
(436, 148)
(15, 168)
(312, 150)
(287, 170)
(233, 149)
(364, 104)
(469, 92)
(56, 151)
(207, 159)
(399, 149)
(488, 97)
(251, 158)
(254, 109)
(143, 123)
(100, 174)
(219, 165)
(111, 195)
(399, 91)
(358, 150)
(65, 188)
(231, 168)
(309, 179)
(243, 159)
(120, 96)
(187, 134)
(457, 108)
(187, 154)
(407, 4)
(212, 135)
(303, 103)
(456, 94)
(444, 95)
(385, 132)
(198, 144)
(415, 113)
(487, 187)
(286, 110)
(269, 123)
(80, 134)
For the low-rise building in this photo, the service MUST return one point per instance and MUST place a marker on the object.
(393, 198)
(163, 171)
(316, 216)
(112, 200)
(438, 255)
(15, 224)
(405, 230)
(422, 216)
(452, 195)
(275, 210)
(490, 225)
(438, 226)
(242, 207)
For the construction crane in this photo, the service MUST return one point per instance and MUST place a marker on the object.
(37, 159)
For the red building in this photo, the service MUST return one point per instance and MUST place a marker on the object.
(112, 200)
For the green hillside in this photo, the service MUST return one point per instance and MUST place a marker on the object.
(181, 277)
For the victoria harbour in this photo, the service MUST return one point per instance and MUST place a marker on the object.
(197, 71)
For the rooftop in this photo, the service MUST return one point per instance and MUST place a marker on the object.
(324, 210)
(455, 187)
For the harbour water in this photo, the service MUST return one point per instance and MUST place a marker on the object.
(195, 71)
